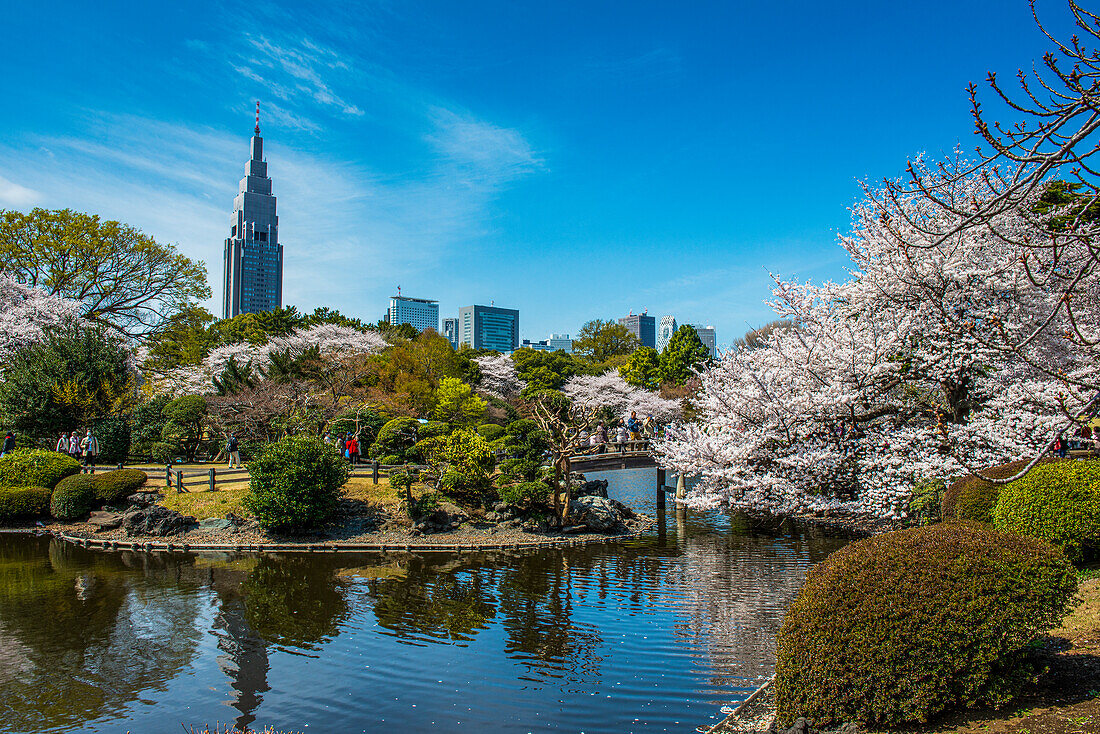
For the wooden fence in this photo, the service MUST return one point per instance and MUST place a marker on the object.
(214, 478)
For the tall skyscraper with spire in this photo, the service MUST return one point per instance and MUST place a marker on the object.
(253, 255)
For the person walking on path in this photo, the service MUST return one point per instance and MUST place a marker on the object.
(233, 451)
(9, 445)
(74, 446)
(353, 451)
(601, 436)
(89, 447)
(63, 444)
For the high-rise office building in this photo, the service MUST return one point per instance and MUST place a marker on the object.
(642, 326)
(489, 327)
(253, 279)
(450, 330)
(420, 313)
(560, 341)
(668, 328)
(707, 336)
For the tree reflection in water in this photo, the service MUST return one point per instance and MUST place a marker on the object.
(76, 642)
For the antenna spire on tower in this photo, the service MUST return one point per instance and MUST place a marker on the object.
(257, 117)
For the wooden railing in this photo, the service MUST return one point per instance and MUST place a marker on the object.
(214, 478)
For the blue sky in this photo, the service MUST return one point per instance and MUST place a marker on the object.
(572, 159)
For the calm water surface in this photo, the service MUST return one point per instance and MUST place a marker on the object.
(654, 635)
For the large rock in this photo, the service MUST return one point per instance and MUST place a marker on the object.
(593, 488)
(102, 520)
(598, 513)
(156, 520)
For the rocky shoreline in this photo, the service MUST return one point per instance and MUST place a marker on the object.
(143, 524)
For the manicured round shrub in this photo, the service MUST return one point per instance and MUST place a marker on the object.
(397, 438)
(114, 486)
(490, 431)
(73, 497)
(431, 429)
(295, 484)
(389, 460)
(1059, 503)
(18, 503)
(973, 498)
(36, 468)
(908, 624)
(524, 493)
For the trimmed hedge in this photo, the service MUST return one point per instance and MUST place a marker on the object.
(73, 497)
(1059, 503)
(36, 468)
(23, 502)
(113, 486)
(908, 624)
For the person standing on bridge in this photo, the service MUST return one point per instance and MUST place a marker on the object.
(633, 426)
(601, 436)
(621, 435)
(649, 427)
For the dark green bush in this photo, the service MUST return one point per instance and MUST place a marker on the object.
(525, 493)
(114, 440)
(525, 445)
(972, 498)
(461, 488)
(925, 501)
(164, 452)
(431, 429)
(114, 486)
(73, 497)
(908, 624)
(295, 484)
(397, 438)
(23, 502)
(36, 468)
(490, 431)
(390, 460)
(1059, 503)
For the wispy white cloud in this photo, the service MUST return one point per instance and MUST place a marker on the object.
(487, 153)
(348, 230)
(16, 196)
(300, 65)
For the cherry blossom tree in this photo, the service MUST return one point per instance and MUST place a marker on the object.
(333, 341)
(611, 391)
(940, 355)
(498, 376)
(26, 311)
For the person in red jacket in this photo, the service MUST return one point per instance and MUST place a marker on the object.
(352, 447)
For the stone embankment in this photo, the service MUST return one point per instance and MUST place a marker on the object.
(148, 526)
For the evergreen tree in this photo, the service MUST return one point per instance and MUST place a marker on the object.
(683, 354)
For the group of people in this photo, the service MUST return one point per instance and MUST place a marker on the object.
(1087, 438)
(621, 432)
(347, 446)
(84, 449)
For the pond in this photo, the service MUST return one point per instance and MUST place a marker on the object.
(656, 634)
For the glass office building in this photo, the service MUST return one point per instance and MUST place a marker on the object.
(489, 327)
(420, 313)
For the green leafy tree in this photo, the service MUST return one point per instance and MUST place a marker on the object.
(74, 376)
(599, 341)
(683, 354)
(464, 461)
(545, 370)
(643, 369)
(457, 404)
(147, 423)
(234, 378)
(255, 328)
(125, 279)
(185, 423)
(525, 445)
(183, 339)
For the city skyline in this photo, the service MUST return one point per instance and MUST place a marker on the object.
(572, 161)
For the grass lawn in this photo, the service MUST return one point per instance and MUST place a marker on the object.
(204, 504)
